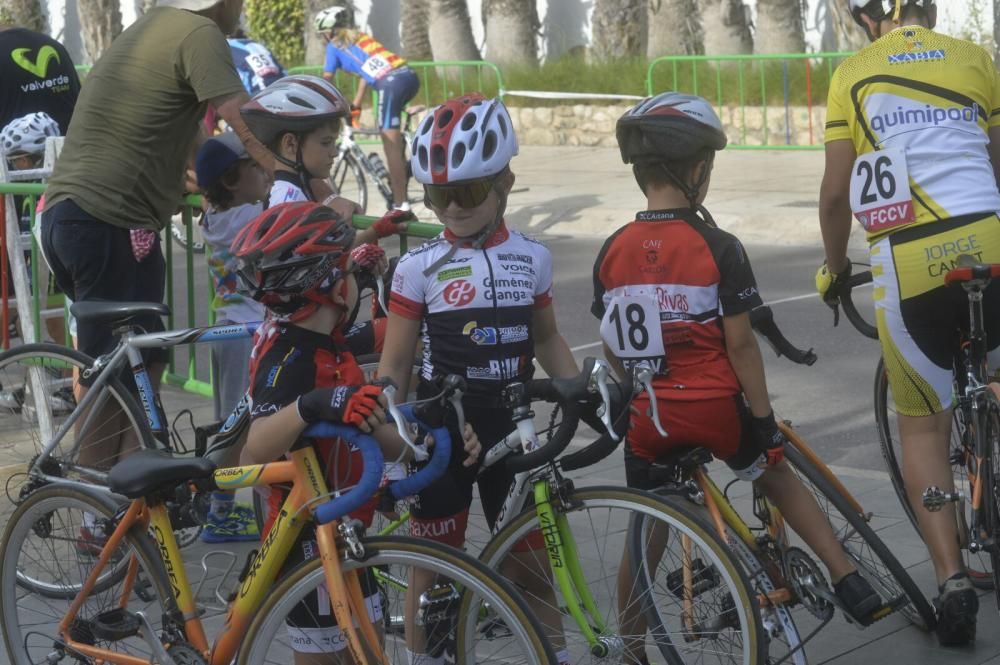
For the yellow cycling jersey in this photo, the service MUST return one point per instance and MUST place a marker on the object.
(930, 98)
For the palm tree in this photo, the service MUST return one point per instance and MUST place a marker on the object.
(847, 35)
(780, 27)
(450, 31)
(996, 32)
(314, 42)
(512, 28)
(28, 14)
(101, 22)
(413, 18)
(619, 29)
(727, 27)
(674, 28)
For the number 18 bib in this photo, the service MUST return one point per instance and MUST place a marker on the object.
(880, 190)
(631, 328)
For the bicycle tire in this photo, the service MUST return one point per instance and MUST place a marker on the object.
(783, 627)
(29, 625)
(648, 506)
(885, 573)
(348, 180)
(383, 552)
(989, 427)
(13, 366)
(978, 565)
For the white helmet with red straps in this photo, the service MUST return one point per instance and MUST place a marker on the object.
(465, 138)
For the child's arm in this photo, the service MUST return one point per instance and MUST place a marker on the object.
(397, 351)
(272, 436)
(551, 348)
(744, 356)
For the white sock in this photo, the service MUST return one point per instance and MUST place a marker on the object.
(423, 659)
(563, 657)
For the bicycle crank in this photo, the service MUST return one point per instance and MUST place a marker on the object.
(809, 584)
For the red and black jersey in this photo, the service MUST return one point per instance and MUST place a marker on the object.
(289, 361)
(696, 273)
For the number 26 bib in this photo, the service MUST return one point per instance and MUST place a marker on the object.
(880, 190)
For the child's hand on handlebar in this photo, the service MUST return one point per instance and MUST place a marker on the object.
(361, 406)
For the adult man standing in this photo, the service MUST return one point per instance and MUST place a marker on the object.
(913, 125)
(120, 175)
(36, 74)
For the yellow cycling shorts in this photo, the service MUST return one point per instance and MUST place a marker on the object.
(918, 317)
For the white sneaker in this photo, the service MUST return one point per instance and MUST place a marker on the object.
(404, 206)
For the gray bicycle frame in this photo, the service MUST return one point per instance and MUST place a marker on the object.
(106, 366)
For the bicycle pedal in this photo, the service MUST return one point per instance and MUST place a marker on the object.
(437, 604)
(114, 625)
(934, 498)
(702, 578)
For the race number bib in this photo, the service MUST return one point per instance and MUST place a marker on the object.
(261, 64)
(376, 67)
(631, 328)
(880, 190)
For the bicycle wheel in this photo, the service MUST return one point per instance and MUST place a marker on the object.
(471, 613)
(661, 542)
(348, 180)
(988, 433)
(785, 641)
(871, 556)
(963, 459)
(91, 446)
(45, 544)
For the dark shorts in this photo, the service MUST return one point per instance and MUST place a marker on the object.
(721, 425)
(92, 260)
(394, 91)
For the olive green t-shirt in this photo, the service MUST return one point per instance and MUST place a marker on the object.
(137, 118)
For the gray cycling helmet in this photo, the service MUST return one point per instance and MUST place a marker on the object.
(669, 127)
(881, 10)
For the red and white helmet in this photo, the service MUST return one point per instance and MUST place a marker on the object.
(465, 138)
(297, 104)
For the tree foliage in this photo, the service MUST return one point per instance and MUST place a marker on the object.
(278, 24)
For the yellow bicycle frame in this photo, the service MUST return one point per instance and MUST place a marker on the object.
(304, 473)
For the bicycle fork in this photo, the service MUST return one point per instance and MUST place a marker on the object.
(565, 564)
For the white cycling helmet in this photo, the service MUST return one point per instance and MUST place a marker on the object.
(297, 104)
(465, 138)
(26, 135)
(669, 127)
(881, 10)
(331, 18)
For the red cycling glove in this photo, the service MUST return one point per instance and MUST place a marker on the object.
(343, 404)
(367, 256)
(390, 222)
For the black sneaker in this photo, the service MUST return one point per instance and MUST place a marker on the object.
(858, 597)
(956, 606)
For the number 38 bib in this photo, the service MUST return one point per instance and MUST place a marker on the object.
(631, 328)
(880, 190)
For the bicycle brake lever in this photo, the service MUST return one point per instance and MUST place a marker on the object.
(599, 380)
(644, 375)
(419, 452)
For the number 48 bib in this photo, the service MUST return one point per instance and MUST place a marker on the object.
(880, 190)
(631, 328)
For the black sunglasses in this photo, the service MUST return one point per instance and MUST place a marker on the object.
(468, 194)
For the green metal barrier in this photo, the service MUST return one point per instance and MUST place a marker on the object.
(771, 101)
(186, 309)
(439, 79)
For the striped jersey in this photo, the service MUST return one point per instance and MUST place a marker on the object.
(933, 97)
(366, 58)
(695, 274)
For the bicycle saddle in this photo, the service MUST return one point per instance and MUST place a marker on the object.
(144, 472)
(115, 313)
(686, 458)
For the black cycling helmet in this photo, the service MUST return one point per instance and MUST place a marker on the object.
(669, 128)
(882, 10)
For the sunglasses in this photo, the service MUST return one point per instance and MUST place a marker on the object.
(468, 194)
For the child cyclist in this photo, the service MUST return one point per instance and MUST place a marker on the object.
(357, 53)
(480, 295)
(697, 284)
(295, 259)
(234, 187)
(298, 118)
